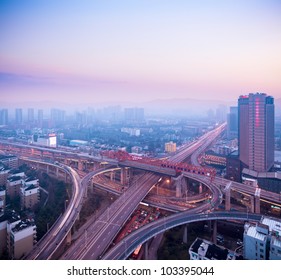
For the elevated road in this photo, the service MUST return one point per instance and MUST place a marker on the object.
(197, 147)
(125, 248)
(100, 234)
(49, 244)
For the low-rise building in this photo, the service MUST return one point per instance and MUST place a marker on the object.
(29, 196)
(22, 238)
(202, 249)
(2, 199)
(4, 173)
(7, 221)
(13, 186)
(170, 147)
(211, 158)
(10, 161)
(262, 240)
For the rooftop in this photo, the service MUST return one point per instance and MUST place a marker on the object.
(30, 179)
(4, 168)
(10, 216)
(251, 230)
(14, 178)
(212, 251)
(23, 225)
(3, 157)
(31, 187)
(273, 224)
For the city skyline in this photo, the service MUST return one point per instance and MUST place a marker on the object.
(93, 52)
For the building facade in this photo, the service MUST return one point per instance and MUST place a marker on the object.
(232, 123)
(256, 131)
(21, 238)
(170, 147)
(262, 241)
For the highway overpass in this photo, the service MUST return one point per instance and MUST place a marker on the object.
(125, 248)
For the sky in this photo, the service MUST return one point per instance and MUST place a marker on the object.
(99, 51)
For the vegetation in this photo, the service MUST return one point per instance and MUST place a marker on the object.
(59, 193)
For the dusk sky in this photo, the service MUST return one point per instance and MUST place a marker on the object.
(100, 51)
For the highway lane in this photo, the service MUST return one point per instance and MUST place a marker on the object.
(197, 147)
(101, 233)
(48, 245)
(124, 248)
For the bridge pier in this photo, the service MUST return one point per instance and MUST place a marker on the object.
(227, 191)
(112, 176)
(252, 209)
(96, 165)
(185, 234)
(257, 201)
(181, 185)
(69, 237)
(146, 250)
(200, 188)
(214, 237)
(124, 178)
(80, 165)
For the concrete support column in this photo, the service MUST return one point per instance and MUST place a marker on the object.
(181, 185)
(146, 250)
(57, 172)
(80, 165)
(252, 209)
(124, 176)
(69, 237)
(200, 188)
(185, 235)
(112, 176)
(227, 192)
(257, 201)
(48, 170)
(215, 231)
(178, 189)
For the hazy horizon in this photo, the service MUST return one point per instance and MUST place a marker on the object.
(134, 52)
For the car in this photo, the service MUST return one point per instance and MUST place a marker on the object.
(239, 242)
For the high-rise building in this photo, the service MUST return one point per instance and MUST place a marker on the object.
(4, 117)
(30, 115)
(134, 114)
(57, 116)
(18, 116)
(232, 123)
(256, 131)
(221, 113)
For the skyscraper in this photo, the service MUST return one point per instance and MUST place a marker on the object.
(134, 114)
(18, 116)
(30, 115)
(232, 123)
(40, 117)
(4, 117)
(256, 131)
